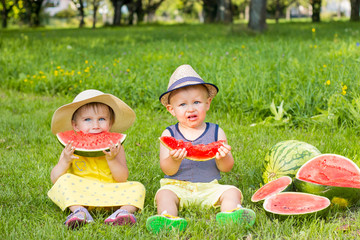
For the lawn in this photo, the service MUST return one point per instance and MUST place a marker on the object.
(313, 68)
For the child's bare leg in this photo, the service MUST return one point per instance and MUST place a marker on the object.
(74, 207)
(230, 199)
(167, 200)
(129, 208)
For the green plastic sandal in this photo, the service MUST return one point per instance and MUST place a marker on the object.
(165, 222)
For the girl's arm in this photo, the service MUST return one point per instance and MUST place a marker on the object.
(65, 160)
(117, 163)
(224, 159)
(170, 160)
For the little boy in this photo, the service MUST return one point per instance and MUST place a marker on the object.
(186, 182)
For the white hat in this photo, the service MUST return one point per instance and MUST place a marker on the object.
(185, 76)
(124, 115)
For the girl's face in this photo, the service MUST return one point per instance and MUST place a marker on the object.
(90, 119)
(189, 105)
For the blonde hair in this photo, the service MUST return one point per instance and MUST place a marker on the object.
(95, 106)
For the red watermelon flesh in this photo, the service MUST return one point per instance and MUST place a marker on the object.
(271, 188)
(199, 152)
(90, 144)
(295, 203)
(331, 170)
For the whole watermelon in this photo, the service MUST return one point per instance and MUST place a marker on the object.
(286, 157)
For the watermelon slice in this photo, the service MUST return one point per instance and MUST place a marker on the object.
(272, 188)
(89, 144)
(330, 175)
(298, 204)
(199, 152)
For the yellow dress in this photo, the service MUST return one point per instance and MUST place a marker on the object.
(89, 182)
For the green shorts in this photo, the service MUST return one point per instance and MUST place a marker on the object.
(203, 194)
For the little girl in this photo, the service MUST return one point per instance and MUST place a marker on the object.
(81, 182)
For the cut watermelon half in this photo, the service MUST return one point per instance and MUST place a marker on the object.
(89, 144)
(296, 204)
(333, 176)
(199, 152)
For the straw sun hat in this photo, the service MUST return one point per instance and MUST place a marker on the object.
(185, 76)
(124, 115)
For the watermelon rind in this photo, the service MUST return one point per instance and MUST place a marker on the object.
(187, 157)
(90, 153)
(341, 196)
(278, 185)
(286, 157)
(316, 211)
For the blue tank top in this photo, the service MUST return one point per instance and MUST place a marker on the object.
(196, 171)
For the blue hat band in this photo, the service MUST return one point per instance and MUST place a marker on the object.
(185, 79)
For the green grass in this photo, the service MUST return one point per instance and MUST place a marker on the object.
(135, 64)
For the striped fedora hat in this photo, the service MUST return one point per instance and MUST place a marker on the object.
(185, 76)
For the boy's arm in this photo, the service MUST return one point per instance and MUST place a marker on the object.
(224, 159)
(117, 163)
(170, 160)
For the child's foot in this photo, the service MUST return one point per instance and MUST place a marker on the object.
(165, 222)
(78, 218)
(121, 217)
(238, 215)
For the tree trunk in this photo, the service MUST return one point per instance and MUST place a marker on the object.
(277, 11)
(117, 11)
(355, 6)
(139, 11)
(224, 13)
(82, 14)
(257, 20)
(4, 14)
(95, 8)
(316, 7)
(210, 10)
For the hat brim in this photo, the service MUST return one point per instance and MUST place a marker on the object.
(124, 115)
(212, 89)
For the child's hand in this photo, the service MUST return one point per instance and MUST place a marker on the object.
(178, 154)
(114, 150)
(68, 153)
(223, 151)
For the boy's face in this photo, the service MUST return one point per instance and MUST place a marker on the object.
(90, 119)
(189, 105)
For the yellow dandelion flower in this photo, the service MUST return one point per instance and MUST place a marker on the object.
(315, 46)
(34, 76)
(243, 46)
(313, 30)
(56, 73)
(344, 87)
(41, 72)
(324, 66)
(80, 81)
(86, 61)
(114, 64)
(128, 70)
(25, 80)
(328, 82)
(27, 75)
(58, 67)
(79, 73)
(43, 76)
(87, 70)
(343, 92)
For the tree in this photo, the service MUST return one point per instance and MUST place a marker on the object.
(7, 7)
(80, 6)
(95, 4)
(355, 6)
(316, 6)
(118, 4)
(33, 8)
(257, 19)
(217, 11)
